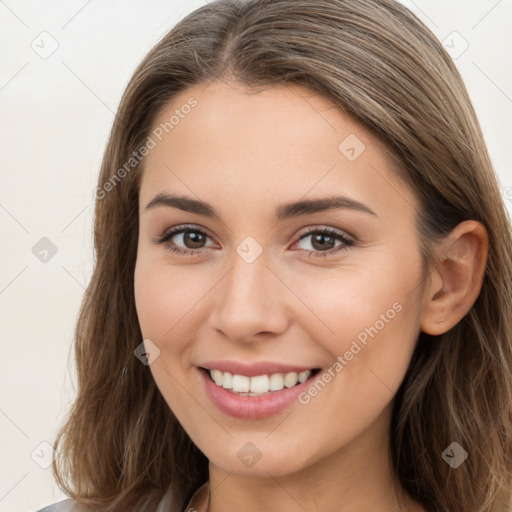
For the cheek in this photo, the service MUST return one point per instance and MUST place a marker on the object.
(346, 301)
(164, 312)
(164, 299)
(371, 314)
(375, 334)
(150, 302)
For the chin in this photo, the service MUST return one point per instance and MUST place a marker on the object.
(260, 457)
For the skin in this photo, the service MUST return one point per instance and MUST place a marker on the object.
(245, 153)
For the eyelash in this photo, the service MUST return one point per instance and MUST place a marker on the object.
(347, 242)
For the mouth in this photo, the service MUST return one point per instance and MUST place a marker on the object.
(259, 385)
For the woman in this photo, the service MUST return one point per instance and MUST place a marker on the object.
(302, 294)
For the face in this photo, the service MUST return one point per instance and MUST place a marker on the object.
(273, 294)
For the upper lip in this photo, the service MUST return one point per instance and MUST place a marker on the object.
(253, 369)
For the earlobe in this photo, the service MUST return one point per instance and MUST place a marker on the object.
(456, 281)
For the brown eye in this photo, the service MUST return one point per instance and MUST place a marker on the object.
(321, 241)
(184, 240)
(325, 241)
(193, 239)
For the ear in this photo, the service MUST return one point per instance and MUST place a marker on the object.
(456, 281)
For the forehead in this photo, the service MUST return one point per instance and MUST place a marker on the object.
(252, 144)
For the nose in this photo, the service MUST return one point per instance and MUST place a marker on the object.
(250, 300)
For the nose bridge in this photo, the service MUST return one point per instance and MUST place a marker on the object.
(247, 301)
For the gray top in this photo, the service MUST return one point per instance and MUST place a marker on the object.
(169, 503)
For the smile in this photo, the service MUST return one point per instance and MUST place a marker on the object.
(254, 397)
(260, 384)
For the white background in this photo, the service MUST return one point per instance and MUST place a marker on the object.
(55, 117)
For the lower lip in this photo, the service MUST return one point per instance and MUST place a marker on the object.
(252, 407)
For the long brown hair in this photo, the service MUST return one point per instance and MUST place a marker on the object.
(375, 60)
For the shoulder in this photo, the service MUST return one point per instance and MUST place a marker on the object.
(173, 500)
(68, 505)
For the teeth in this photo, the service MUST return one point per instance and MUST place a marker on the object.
(241, 383)
(304, 376)
(217, 377)
(276, 382)
(227, 380)
(259, 385)
(290, 379)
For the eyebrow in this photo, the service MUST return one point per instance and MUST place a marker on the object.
(285, 211)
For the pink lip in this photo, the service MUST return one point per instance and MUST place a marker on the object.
(253, 369)
(251, 407)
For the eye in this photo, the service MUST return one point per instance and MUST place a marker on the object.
(323, 242)
(192, 237)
